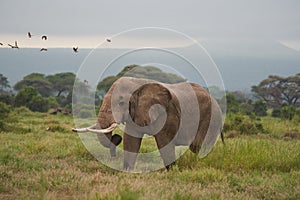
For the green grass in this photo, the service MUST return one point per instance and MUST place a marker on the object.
(40, 158)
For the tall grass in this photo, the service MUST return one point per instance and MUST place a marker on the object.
(41, 158)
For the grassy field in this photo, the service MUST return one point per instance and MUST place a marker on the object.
(40, 158)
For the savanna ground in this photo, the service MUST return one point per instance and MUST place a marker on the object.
(40, 158)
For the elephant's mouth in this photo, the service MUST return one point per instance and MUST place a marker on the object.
(96, 129)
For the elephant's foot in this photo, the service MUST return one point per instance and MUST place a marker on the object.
(129, 161)
(168, 167)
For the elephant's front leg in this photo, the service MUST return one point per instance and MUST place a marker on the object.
(131, 149)
(166, 149)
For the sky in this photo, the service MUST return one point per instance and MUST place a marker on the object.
(87, 23)
(247, 39)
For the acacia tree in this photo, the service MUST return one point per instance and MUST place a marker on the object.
(62, 82)
(38, 81)
(278, 91)
(149, 72)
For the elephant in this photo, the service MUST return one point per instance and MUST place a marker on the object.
(181, 114)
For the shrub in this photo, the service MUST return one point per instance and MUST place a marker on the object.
(6, 98)
(232, 103)
(276, 112)
(288, 112)
(25, 95)
(260, 108)
(4, 112)
(39, 104)
(52, 102)
(243, 125)
(85, 113)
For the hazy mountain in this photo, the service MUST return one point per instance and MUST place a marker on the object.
(242, 63)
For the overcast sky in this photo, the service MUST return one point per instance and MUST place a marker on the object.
(86, 23)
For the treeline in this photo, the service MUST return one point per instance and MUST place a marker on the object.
(40, 93)
(276, 96)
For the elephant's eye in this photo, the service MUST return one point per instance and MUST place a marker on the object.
(121, 103)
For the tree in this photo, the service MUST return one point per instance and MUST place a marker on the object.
(62, 82)
(4, 84)
(38, 81)
(7, 99)
(29, 97)
(279, 91)
(232, 103)
(148, 72)
(25, 95)
(39, 104)
(260, 108)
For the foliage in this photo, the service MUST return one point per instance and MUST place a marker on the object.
(7, 98)
(148, 72)
(38, 81)
(4, 84)
(39, 104)
(278, 91)
(29, 97)
(4, 112)
(243, 124)
(288, 112)
(62, 82)
(260, 108)
(276, 112)
(239, 104)
(84, 113)
(25, 95)
(232, 103)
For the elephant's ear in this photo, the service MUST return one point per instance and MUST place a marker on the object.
(145, 98)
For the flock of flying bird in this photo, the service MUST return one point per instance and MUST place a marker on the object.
(44, 37)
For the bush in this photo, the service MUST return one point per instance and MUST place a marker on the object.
(232, 103)
(52, 102)
(22, 110)
(288, 112)
(25, 95)
(4, 112)
(243, 125)
(276, 112)
(6, 98)
(85, 113)
(260, 108)
(39, 104)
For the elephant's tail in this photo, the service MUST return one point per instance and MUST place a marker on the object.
(222, 137)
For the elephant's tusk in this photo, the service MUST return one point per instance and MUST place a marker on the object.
(82, 130)
(94, 129)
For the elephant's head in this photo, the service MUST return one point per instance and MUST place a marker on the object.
(134, 101)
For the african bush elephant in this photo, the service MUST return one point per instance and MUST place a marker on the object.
(182, 114)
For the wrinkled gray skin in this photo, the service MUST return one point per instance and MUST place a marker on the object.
(154, 108)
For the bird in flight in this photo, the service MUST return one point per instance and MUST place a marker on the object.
(16, 45)
(29, 35)
(108, 40)
(44, 37)
(75, 49)
(44, 49)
